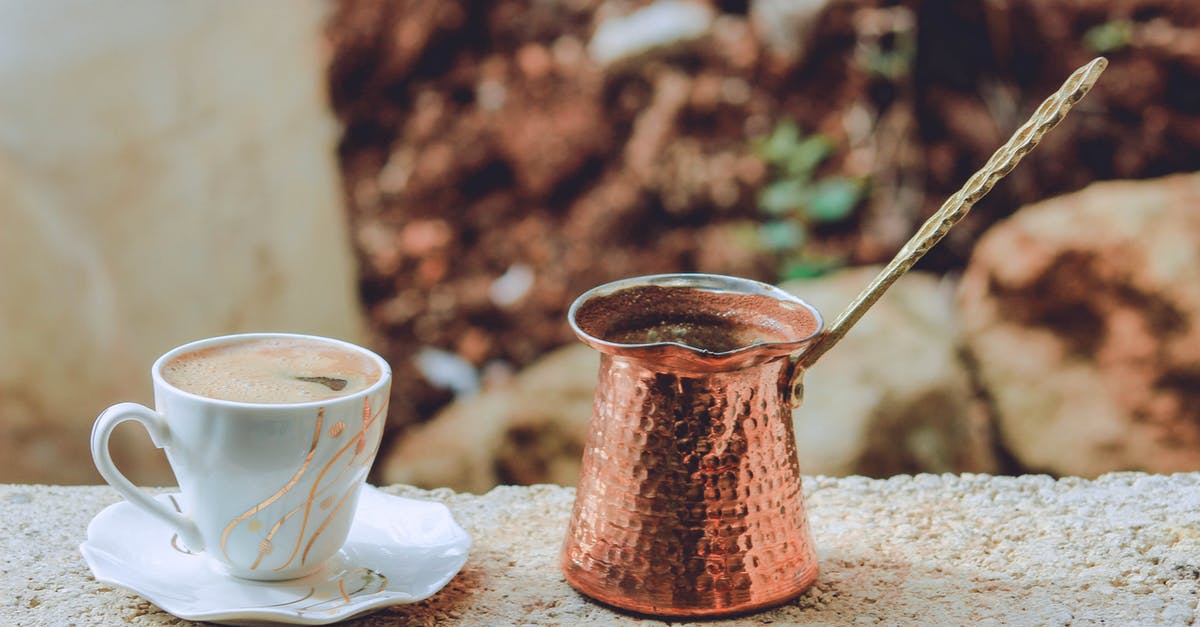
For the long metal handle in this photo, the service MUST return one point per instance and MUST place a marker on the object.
(1047, 116)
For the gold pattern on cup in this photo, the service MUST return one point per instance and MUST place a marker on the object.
(318, 490)
(370, 582)
(312, 450)
(325, 523)
(369, 419)
(175, 537)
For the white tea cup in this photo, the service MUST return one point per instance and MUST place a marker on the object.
(269, 481)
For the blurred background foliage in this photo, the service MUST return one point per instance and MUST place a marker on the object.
(778, 139)
(449, 174)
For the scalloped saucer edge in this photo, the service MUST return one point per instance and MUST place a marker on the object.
(399, 550)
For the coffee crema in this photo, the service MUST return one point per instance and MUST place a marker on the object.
(273, 370)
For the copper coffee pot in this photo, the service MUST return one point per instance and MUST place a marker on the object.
(689, 501)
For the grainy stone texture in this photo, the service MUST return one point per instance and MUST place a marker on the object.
(1080, 314)
(931, 549)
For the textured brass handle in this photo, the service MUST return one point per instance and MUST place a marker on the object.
(1047, 116)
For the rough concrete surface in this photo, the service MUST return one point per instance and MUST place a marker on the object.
(933, 550)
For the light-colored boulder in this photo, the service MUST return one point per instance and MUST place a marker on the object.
(786, 25)
(1081, 312)
(528, 430)
(893, 396)
(661, 25)
(167, 172)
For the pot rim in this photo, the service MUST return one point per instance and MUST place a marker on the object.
(678, 354)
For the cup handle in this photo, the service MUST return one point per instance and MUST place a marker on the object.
(156, 425)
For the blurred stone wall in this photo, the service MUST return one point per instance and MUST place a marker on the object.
(167, 172)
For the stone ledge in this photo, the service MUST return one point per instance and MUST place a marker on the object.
(970, 549)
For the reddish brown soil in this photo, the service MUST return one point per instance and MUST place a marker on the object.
(479, 136)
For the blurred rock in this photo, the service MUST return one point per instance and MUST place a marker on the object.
(447, 370)
(167, 172)
(1080, 313)
(528, 430)
(893, 396)
(662, 24)
(785, 26)
(509, 288)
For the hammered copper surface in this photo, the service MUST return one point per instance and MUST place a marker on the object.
(689, 502)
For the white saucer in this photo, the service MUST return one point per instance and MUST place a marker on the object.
(399, 551)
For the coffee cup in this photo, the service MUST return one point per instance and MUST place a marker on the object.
(270, 437)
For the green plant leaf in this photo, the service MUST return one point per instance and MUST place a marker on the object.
(892, 62)
(833, 199)
(782, 141)
(783, 196)
(1109, 37)
(809, 268)
(744, 234)
(781, 235)
(806, 155)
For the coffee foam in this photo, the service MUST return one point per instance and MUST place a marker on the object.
(272, 370)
